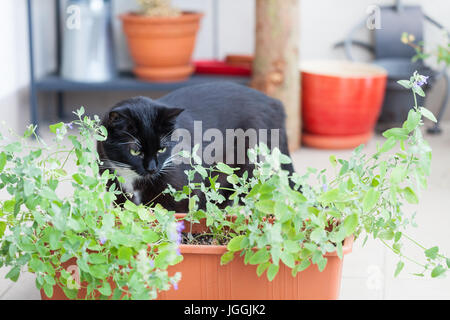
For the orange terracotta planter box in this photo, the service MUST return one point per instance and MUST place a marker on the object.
(204, 278)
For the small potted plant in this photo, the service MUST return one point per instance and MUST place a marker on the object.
(161, 40)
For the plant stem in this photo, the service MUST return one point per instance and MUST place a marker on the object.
(401, 255)
(415, 99)
(67, 157)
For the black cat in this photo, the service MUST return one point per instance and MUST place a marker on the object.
(145, 135)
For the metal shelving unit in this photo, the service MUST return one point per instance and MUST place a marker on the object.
(125, 81)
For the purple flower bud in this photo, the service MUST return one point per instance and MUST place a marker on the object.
(180, 226)
(103, 240)
(324, 187)
(69, 125)
(175, 284)
(176, 236)
(420, 81)
(152, 263)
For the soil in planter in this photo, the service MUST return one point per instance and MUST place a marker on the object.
(207, 239)
(202, 240)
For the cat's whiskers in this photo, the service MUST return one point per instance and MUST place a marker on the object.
(134, 139)
(129, 142)
(167, 169)
(167, 165)
(114, 166)
(112, 163)
(169, 160)
(166, 137)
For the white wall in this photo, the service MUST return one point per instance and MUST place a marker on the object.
(14, 57)
(323, 23)
(12, 74)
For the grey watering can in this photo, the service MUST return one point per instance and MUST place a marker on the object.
(88, 48)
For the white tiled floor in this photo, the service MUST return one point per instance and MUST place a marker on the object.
(368, 271)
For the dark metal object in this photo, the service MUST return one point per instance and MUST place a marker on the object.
(125, 81)
(33, 98)
(59, 94)
(436, 128)
(395, 57)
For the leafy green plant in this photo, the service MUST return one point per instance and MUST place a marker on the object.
(268, 222)
(124, 252)
(115, 252)
(442, 51)
(158, 8)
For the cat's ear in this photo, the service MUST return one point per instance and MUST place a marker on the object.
(172, 113)
(113, 117)
(169, 115)
(166, 119)
(116, 119)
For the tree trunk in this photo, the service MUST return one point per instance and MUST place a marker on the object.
(275, 65)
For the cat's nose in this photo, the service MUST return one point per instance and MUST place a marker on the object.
(151, 167)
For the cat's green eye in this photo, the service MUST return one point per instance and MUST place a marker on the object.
(135, 152)
(162, 150)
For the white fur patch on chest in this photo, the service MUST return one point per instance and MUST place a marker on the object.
(130, 177)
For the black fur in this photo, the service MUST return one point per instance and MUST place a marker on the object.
(218, 105)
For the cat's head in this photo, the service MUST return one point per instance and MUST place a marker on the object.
(138, 143)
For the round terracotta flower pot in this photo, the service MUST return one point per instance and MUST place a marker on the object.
(161, 47)
(341, 102)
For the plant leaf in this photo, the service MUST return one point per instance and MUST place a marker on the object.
(226, 257)
(370, 199)
(350, 224)
(287, 259)
(410, 195)
(260, 256)
(150, 236)
(426, 113)
(266, 206)
(432, 252)
(48, 289)
(388, 144)
(437, 271)
(125, 253)
(2, 161)
(225, 168)
(398, 133)
(399, 268)
(272, 272)
(13, 274)
(262, 267)
(405, 83)
(105, 289)
(235, 243)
